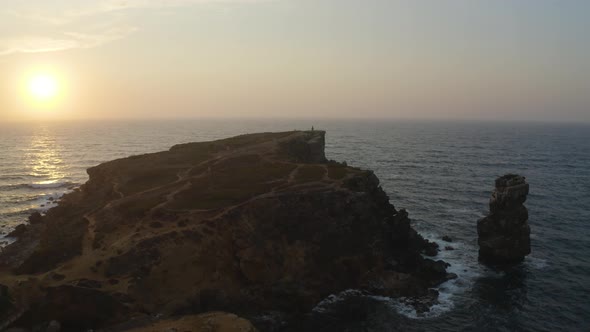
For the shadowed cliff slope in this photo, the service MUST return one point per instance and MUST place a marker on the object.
(249, 224)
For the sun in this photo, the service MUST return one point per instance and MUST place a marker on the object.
(43, 87)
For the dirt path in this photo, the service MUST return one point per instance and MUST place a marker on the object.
(263, 150)
(293, 174)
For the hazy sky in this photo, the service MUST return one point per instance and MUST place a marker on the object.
(468, 59)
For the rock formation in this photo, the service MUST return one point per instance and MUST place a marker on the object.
(251, 224)
(504, 235)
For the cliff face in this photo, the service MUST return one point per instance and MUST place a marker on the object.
(504, 235)
(247, 224)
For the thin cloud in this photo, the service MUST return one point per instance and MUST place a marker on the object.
(113, 6)
(65, 41)
(66, 21)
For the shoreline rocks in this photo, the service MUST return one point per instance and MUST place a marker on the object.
(504, 235)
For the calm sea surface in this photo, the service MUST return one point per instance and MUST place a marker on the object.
(442, 173)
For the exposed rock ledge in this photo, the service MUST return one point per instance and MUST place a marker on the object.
(250, 224)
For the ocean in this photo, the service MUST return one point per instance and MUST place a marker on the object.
(442, 172)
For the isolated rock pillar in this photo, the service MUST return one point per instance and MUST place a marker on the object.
(504, 235)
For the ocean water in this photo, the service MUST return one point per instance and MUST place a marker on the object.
(442, 173)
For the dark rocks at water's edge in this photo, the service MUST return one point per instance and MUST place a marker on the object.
(254, 225)
(35, 218)
(430, 248)
(423, 303)
(18, 231)
(504, 235)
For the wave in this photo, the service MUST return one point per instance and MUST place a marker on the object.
(51, 185)
(40, 185)
(536, 262)
(330, 305)
(24, 212)
(326, 304)
(463, 262)
(444, 305)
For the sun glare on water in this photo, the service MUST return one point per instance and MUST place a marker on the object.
(43, 87)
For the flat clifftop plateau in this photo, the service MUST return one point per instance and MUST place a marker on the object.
(251, 224)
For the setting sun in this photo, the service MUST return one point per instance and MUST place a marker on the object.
(43, 87)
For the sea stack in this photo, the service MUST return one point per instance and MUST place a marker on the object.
(504, 235)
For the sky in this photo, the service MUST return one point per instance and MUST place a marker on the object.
(526, 60)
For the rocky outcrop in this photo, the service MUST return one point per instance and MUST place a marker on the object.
(504, 235)
(251, 224)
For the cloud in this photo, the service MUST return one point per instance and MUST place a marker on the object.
(70, 15)
(62, 42)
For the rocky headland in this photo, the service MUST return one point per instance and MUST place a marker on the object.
(504, 235)
(259, 225)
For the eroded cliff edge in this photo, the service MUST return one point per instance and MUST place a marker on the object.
(251, 224)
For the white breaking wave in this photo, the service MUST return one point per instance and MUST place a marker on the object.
(325, 304)
(536, 263)
(463, 262)
(51, 184)
(45, 202)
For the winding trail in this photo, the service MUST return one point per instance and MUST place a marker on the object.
(185, 178)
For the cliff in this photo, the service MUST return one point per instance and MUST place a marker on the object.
(249, 224)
